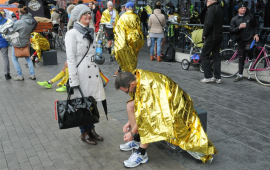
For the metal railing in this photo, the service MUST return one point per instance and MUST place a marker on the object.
(183, 44)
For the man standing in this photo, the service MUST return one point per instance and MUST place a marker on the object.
(243, 25)
(123, 10)
(91, 24)
(212, 36)
(160, 110)
(128, 39)
(109, 17)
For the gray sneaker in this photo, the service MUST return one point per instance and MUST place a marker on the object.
(208, 80)
(218, 81)
(238, 78)
(32, 77)
(18, 78)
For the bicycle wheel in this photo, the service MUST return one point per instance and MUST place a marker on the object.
(262, 75)
(62, 42)
(57, 42)
(229, 66)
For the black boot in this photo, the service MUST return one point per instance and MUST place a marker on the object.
(94, 135)
(8, 76)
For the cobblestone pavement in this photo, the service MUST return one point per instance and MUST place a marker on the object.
(238, 123)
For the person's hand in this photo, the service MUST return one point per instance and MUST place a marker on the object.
(32, 57)
(126, 127)
(128, 137)
(256, 38)
(64, 69)
(243, 25)
(113, 23)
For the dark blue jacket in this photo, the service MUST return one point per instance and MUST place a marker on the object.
(3, 42)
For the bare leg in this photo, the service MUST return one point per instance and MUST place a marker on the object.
(132, 120)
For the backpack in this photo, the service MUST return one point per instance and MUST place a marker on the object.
(169, 55)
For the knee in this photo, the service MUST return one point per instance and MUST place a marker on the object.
(130, 106)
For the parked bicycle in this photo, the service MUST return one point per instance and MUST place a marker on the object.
(260, 66)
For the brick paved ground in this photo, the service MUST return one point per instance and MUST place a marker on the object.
(238, 124)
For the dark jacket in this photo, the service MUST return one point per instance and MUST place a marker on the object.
(244, 34)
(212, 30)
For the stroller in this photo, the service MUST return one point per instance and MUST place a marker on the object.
(195, 50)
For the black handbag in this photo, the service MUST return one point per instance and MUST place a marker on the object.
(76, 112)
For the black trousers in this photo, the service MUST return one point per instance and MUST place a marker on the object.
(242, 48)
(145, 26)
(214, 47)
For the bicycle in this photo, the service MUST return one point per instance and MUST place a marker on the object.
(59, 38)
(260, 66)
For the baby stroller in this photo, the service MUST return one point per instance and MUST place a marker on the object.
(195, 50)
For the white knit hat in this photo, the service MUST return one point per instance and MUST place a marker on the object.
(78, 11)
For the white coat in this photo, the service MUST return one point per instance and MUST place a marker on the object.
(87, 74)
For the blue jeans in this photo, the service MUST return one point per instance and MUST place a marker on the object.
(153, 45)
(17, 64)
(86, 128)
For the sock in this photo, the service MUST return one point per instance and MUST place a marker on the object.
(110, 50)
(142, 151)
(137, 138)
(50, 82)
(240, 75)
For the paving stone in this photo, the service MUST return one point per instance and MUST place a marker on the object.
(25, 166)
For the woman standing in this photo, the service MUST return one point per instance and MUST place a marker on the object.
(24, 27)
(4, 50)
(156, 22)
(97, 17)
(79, 41)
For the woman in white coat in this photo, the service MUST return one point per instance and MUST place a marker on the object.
(86, 75)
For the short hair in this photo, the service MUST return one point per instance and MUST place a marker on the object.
(124, 79)
(24, 10)
(109, 3)
(80, 2)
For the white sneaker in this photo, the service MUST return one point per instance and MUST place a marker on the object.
(130, 145)
(208, 80)
(135, 160)
(218, 81)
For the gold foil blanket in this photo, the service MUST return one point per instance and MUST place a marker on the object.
(39, 43)
(128, 41)
(164, 111)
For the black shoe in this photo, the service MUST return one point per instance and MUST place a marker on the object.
(111, 58)
(8, 76)
(238, 78)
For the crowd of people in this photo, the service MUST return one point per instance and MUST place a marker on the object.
(158, 109)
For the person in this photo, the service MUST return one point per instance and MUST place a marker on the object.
(17, 15)
(243, 25)
(91, 4)
(128, 39)
(4, 50)
(144, 18)
(123, 10)
(212, 37)
(79, 41)
(62, 85)
(55, 17)
(156, 23)
(110, 17)
(160, 110)
(97, 16)
(70, 22)
(24, 39)
(63, 18)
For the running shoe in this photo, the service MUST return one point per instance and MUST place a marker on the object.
(136, 159)
(208, 80)
(62, 89)
(130, 145)
(45, 84)
(115, 74)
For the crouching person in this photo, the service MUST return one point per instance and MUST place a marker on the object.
(160, 110)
